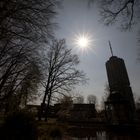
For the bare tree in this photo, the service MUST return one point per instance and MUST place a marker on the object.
(79, 99)
(30, 20)
(28, 89)
(14, 67)
(92, 99)
(65, 106)
(24, 26)
(124, 12)
(105, 96)
(20, 87)
(60, 71)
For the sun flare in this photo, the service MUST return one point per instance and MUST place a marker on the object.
(83, 41)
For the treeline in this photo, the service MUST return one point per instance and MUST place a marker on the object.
(30, 56)
(24, 27)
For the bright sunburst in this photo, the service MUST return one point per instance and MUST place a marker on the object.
(83, 41)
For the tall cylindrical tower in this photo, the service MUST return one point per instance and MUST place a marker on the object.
(121, 96)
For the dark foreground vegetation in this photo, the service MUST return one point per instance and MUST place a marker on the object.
(76, 121)
(19, 125)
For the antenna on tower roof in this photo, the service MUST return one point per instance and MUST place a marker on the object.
(110, 48)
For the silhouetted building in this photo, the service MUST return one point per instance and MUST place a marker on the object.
(83, 111)
(120, 103)
(117, 74)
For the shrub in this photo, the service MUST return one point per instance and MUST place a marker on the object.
(19, 126)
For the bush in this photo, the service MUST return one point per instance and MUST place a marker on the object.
(19, 126)
(56, 132)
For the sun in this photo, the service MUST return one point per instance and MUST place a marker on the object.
(83, 41)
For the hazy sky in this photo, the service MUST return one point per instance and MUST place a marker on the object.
(75, 18)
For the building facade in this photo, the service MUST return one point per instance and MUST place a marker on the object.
(120, 106)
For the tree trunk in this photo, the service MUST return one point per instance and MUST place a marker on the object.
(47, 107)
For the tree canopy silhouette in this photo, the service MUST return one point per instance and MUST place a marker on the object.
(124, 12)
(24, 27)
(92, 99)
